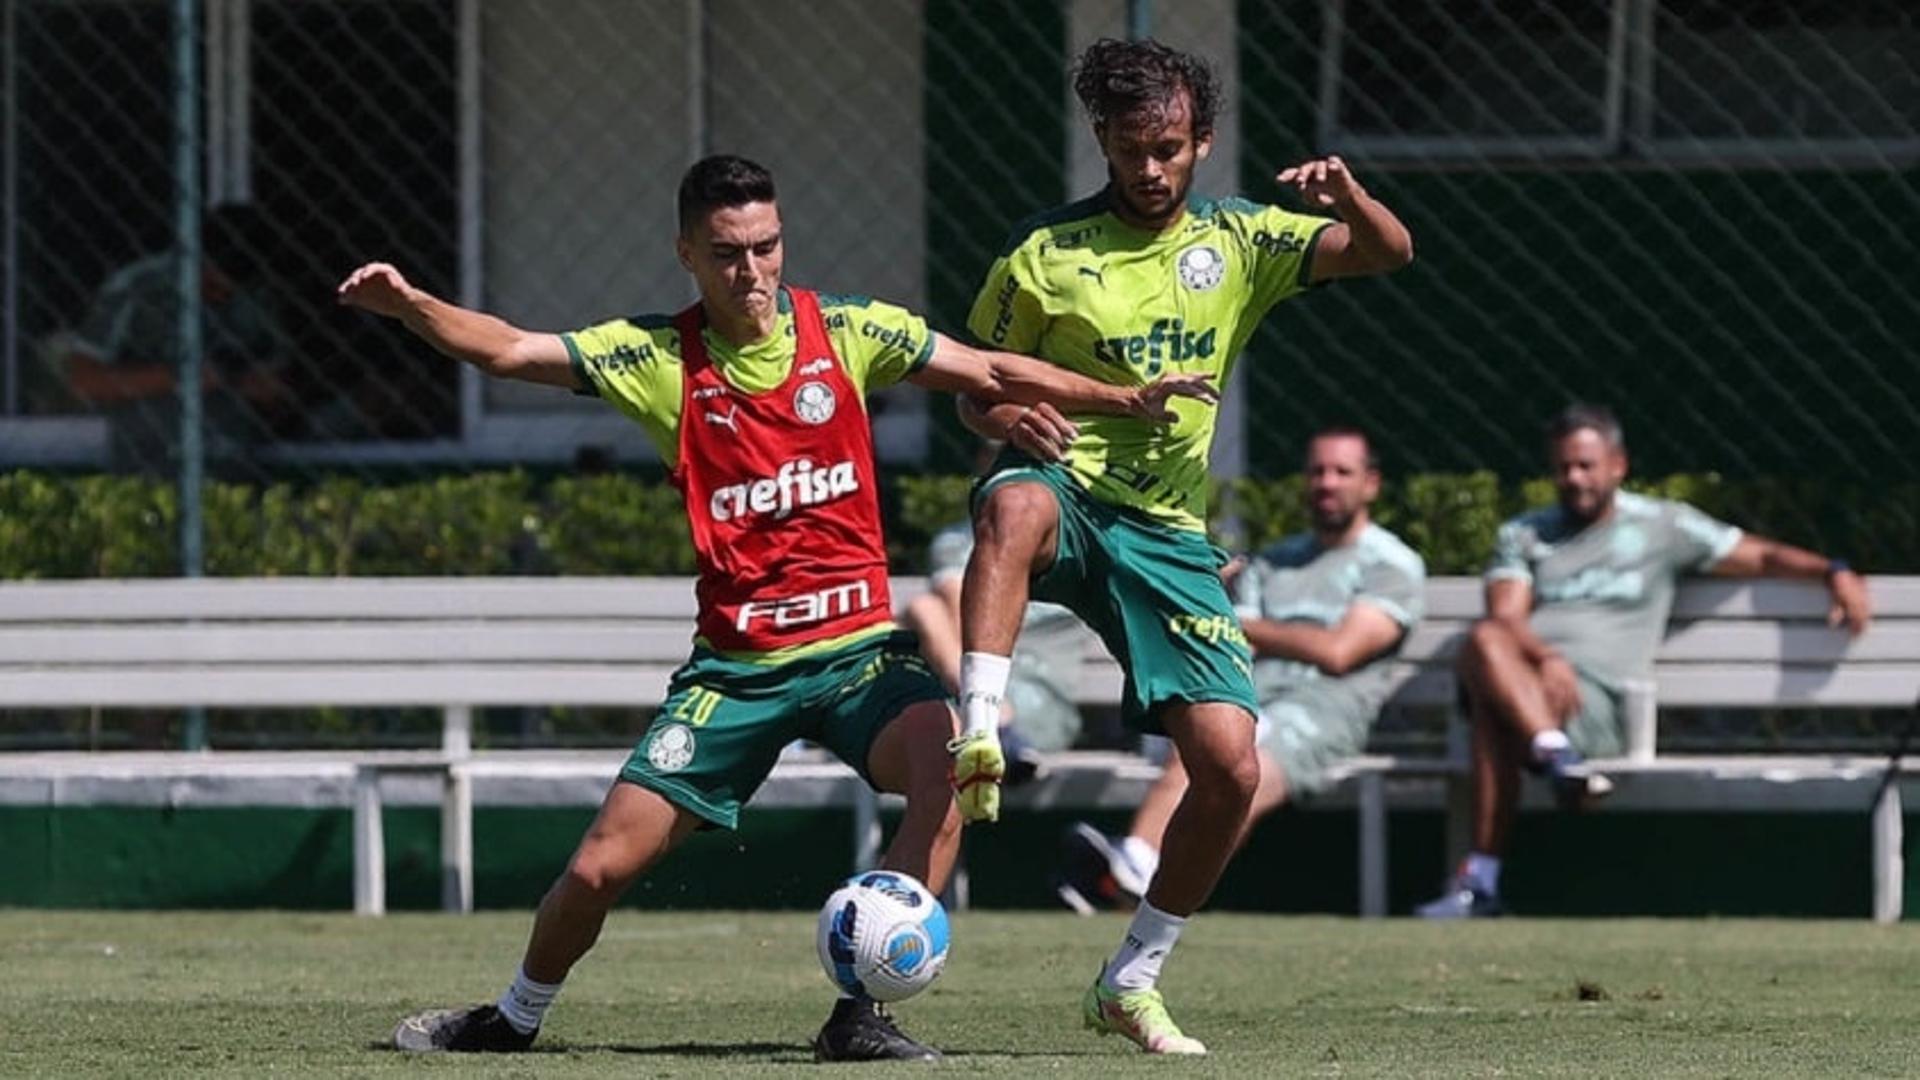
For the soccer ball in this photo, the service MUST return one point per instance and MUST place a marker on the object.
(882, 934)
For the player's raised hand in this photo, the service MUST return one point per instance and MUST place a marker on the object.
(1153, 400)
(978, 767)
(1323, 183)
(379, 288)
(1043, 432)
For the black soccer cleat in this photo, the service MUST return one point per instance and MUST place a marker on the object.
(476, 1029)
(860, 1029)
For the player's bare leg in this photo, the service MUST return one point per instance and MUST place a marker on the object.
(634, 829)
(1016, 533)
(1216, 742)
(909, 757)
(1130, 861)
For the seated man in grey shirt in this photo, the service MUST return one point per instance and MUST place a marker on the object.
(1325, 611)
(125, 358)
(1577, 600)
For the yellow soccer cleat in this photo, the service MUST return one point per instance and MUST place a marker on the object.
(978, 767)
(1140, 1015)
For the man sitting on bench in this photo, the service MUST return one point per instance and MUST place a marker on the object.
(1577, 598)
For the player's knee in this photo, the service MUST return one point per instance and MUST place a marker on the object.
(1226, 783)
(589, 876)
(1014, 515)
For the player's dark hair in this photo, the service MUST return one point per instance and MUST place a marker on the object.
(1349, 431)
(720, 181)
(1583, 416)
(1117, 79)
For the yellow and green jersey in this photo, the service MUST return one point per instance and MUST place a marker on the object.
(634, 363)
(1084, 290)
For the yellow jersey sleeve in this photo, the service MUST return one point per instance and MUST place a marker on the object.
(879, 343)
(1282, 254)
(634, 364)
(1007, 314)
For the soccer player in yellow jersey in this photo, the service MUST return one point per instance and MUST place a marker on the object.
(1130, 284)
(754, 396)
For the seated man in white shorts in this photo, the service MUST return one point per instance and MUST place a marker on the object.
(1325, 611)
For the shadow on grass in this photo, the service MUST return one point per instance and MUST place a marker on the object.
(772, 1051)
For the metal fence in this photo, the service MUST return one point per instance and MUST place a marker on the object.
(1705, 212)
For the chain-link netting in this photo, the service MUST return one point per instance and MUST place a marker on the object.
(1703, 212)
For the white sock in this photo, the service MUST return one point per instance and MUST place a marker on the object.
(1483, 872)
(525, 1003)
(1545, 743)
(983, 683)
(1144, 857)
(1150, 937)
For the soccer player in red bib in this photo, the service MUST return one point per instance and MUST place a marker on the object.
(754, 397)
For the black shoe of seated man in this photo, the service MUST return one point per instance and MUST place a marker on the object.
(861, 1029)
(1023, 761)
(1094, 876)
(1575, 786)
(476, 1029)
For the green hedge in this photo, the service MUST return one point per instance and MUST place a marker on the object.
(505, 522)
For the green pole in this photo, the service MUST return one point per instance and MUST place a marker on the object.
(1139, 19)
(186, 229)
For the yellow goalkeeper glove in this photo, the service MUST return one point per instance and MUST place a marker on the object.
(978, 767)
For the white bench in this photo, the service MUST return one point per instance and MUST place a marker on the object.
(454, 644)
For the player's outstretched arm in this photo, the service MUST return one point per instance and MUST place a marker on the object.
(1040, 430)
(1369, 239)
(998, 376)
(489, 343)
(1757, 556)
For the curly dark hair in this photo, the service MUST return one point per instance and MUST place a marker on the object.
(1118, 79)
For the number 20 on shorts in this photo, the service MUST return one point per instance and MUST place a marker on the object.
(697, 707)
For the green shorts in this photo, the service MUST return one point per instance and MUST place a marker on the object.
(1312, 727)
(724, 722)
(1152, 593)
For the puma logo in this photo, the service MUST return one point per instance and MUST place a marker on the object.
(1093, 272)
(729, 419)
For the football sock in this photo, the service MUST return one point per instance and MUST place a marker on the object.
(1482, 873)
(1144, 857)
(1150, 937)
(525, 1002)
(1545, 743)
(983, 683)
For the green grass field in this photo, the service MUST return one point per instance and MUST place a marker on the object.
(739, 993)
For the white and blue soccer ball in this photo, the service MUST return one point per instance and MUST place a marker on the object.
(883, 935)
